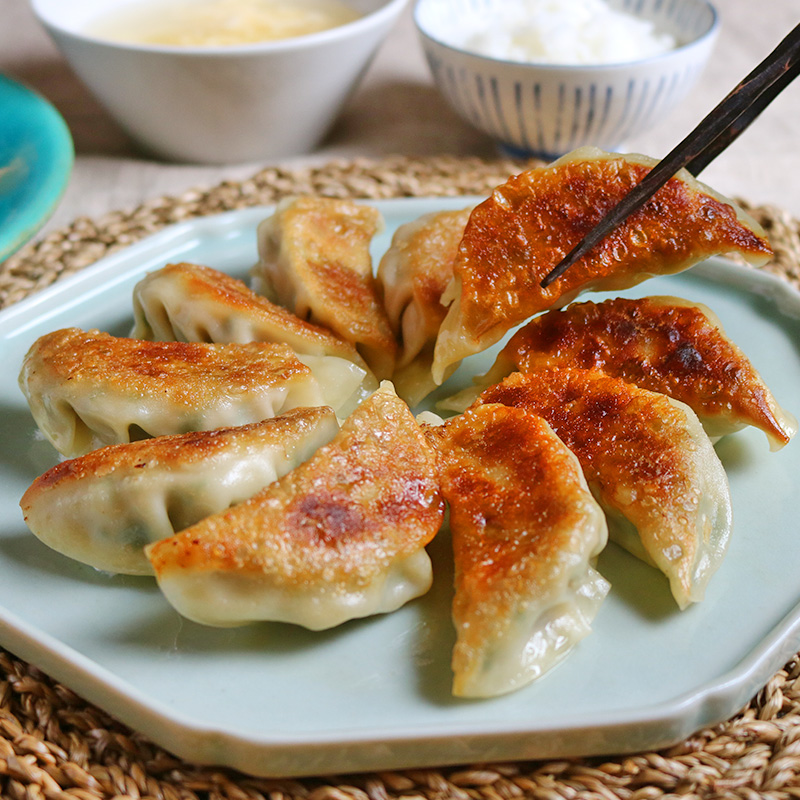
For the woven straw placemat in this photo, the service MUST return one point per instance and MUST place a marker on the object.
(55, 745)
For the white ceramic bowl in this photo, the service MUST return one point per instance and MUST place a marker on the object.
(546, 110)
(221, 104)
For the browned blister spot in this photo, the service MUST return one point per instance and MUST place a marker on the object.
(328, 520)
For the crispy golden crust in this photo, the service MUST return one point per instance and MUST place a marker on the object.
(515, 494)
(203, 283)
(368, 498)
(639, 455)
(618, 431)
(429, 255)
(175, 451)
(525, 529)
(432, 253)
(515, 237)
(660, 343)
(327, 242)
(413, 275)
(186, 374)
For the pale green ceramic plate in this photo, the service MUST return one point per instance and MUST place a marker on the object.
(375, 694)
(36, 157)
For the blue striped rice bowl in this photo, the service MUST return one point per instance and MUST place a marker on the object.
(546, 110)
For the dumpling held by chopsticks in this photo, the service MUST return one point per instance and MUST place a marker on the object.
(519, 234)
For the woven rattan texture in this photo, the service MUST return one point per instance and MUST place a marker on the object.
(54, 745)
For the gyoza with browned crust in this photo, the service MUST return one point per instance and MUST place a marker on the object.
(340, 537)
(665, 344)
(314, 259)
(104, 507)
(648, 462)
(526, 531)
(193, 303)
(528, 224)
(89, 389)
(412, 275)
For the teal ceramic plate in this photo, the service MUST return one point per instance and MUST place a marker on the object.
(375, 693)
(36, 156)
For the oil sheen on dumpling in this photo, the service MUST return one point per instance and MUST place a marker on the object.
(666, 344)
(314, 259)
(525, 530)
(104, 507)
(648, 462)
(412, 275)
(193, 303)
(89, 389)
(341, 537)
(521, 232)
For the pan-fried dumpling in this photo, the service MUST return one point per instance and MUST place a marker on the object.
(342, 536)
(192, 303)
(104, 507)
(89, 389)
(520, 233)
(412, 275)
(665, 344)
(526, 531)
(314, 259)
(648, 462)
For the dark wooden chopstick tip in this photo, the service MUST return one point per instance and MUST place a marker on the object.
(556, 272)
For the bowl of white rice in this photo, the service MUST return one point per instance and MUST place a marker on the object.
(542, 77)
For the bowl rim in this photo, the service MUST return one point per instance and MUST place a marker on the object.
(372, 19)
(705, 37)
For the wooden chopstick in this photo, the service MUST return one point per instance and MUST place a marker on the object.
(701, 161)
(714, 133)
